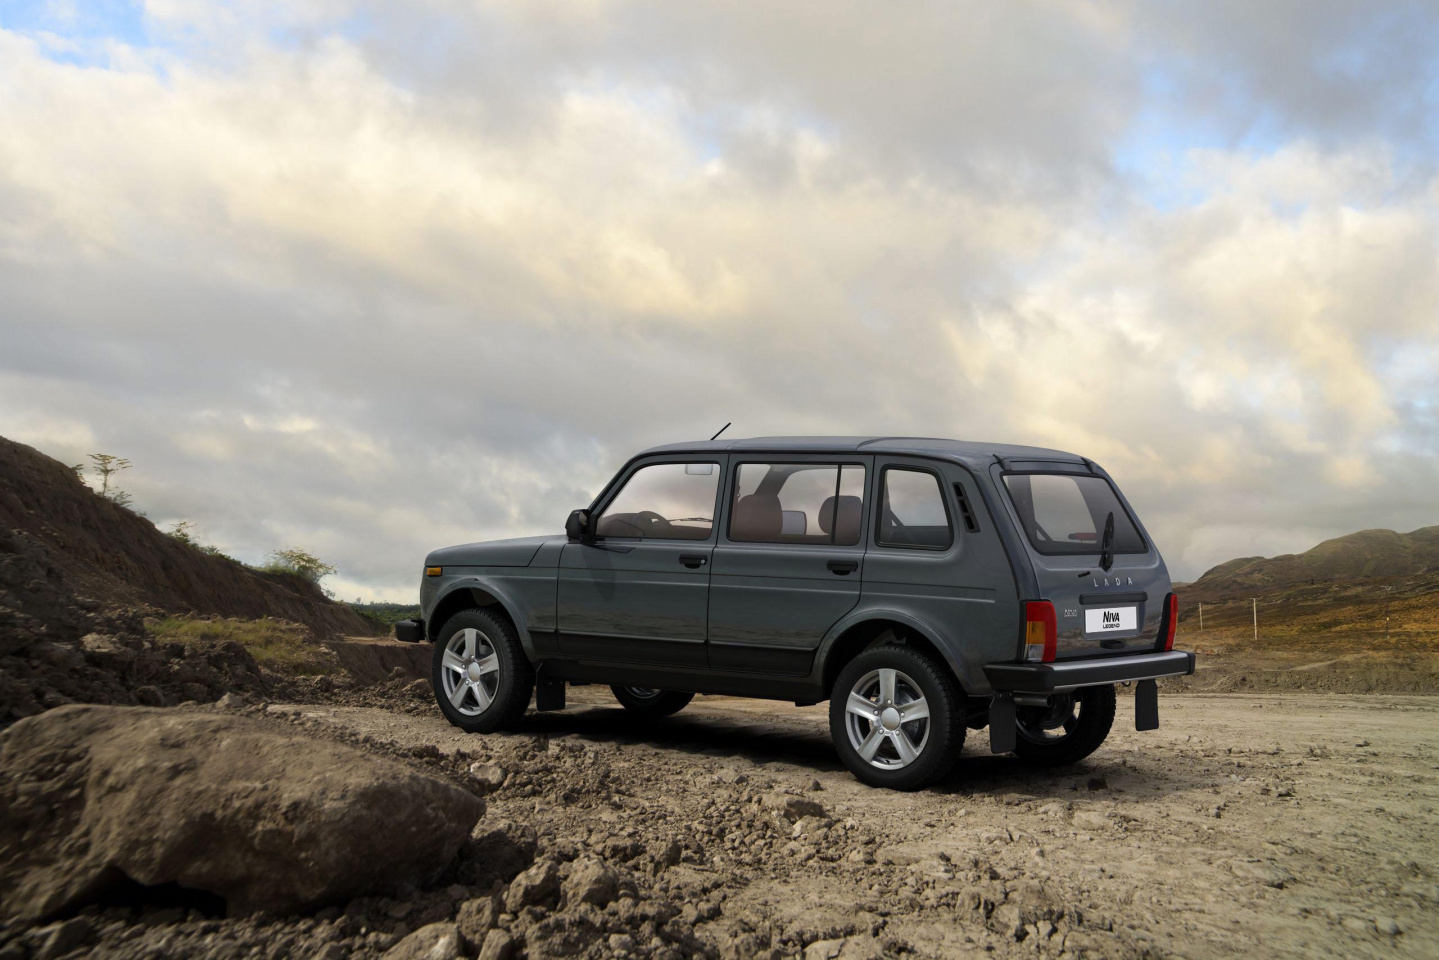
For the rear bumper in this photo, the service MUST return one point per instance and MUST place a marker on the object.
(1073, 674)
(410, 631)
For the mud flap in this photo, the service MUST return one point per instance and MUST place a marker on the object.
(549, 694)
(1146, 705)
(1003, 732)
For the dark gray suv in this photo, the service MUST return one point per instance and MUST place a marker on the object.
(923, 587)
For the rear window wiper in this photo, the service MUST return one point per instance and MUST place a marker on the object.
(1106, 546)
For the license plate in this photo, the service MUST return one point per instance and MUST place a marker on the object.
(1111, 619)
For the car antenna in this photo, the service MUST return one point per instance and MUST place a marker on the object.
(721, 430)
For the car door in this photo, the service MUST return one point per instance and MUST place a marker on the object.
(933, 554)
(789, 561)
(639, 592)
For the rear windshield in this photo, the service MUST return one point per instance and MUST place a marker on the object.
(1062, 513)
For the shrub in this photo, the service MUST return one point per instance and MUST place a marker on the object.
(299, 563)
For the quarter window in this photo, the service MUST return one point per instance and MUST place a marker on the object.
(912, 511)
(664, 501)
(797, 503)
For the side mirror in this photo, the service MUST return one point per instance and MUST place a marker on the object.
(577, 527)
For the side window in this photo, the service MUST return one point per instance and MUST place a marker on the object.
(664, 501)
(912, 511)
(797, 503)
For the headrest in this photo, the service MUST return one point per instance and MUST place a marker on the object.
(846, 519)
(757, 517)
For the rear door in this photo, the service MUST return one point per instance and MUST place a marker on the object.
(1063, 511)
(789, 562)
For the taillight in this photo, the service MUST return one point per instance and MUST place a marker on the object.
(1171, 621)
(1041, 631)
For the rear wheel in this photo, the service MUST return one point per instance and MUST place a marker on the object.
(649, 702)
(1068, 730)
(894, 718)
(481, 676)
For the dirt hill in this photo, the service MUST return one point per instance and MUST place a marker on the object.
(119, 559)
(1406, 559)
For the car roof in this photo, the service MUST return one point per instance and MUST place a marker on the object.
(970, 453)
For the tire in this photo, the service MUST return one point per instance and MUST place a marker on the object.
(481, 700)
(903, 755)
(1068, 732)
(649, 702)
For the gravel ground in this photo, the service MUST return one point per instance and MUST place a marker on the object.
(1298, 825)
(1287, 825)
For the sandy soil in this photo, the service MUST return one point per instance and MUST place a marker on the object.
(1295, 825)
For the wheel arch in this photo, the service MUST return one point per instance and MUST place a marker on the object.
(852, 636)
(476, 593)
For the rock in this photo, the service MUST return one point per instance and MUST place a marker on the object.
(231, 702)
(64, 938)
(475, 919)
(731, 775)
(591, 881)
(502, 850)
(1035, 903)
(1387, 926)
(499, 945)
(793, 807)
(488, 776)
(437, 941)
(1006, 921)
(150, 696)
(1094, 819)
(1055, 808)
(537, 886)
(621, 943)
(823, 950)
(1357, 926)
(1265, 871)
(257, 813)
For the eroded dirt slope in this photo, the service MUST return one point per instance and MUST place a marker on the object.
(117, 558)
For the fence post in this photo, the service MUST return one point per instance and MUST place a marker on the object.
(1201, 618)
(1255, 602)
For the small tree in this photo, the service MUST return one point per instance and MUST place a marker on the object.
(107, 466)
(300, 563)
(184, 532)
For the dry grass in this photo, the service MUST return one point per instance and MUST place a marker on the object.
(278, 645)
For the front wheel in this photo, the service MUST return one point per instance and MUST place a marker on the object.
(894, 718)
(481, 676)
(649, 702)
(1068, 730)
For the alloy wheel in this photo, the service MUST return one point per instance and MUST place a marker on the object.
(887, 719)
(471, 672)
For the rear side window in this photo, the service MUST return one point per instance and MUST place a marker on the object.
(912, 511)
(664, 501)
(1062, 513)
(797, 503)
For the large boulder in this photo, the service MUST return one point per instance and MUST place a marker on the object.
(258, 813)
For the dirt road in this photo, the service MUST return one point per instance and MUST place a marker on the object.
(1287, 826)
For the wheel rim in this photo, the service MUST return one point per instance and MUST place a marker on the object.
(470, 671)
(642, 693)
(887, 719)
(1050, 724)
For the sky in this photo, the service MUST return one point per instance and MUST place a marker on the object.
(366, 278)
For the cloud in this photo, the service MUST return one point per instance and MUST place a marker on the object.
(369, 282)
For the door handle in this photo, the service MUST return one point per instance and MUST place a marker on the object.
(693, 560)
(843, 567)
